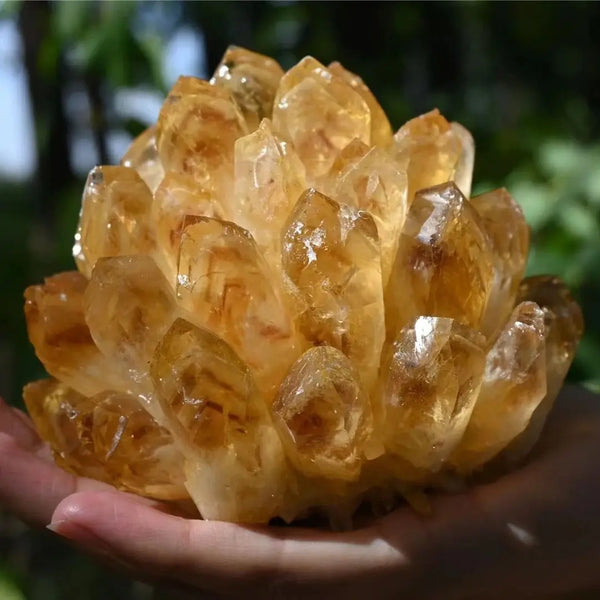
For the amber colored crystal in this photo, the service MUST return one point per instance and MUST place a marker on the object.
(348, 155)
(431, 377)
(431, 151)
(129, 305)
(381, 130)
(323, 416)
(225, 285)
(233, 458)
(331, 253)
(443, 251)
(503, 221)
(196, 131)
(463, 169)
(514, 384)
(564, 327)
(320, 113)
(252, 80)
(375, 184)
(282, 308)
(142, 156)
(175, 199)
(114, 219)
(108, 437)
(57, 329)
(269, 178)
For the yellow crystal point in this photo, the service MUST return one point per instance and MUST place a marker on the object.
(323, 416)
(431, 150)
(197, 128)
(252, 80)
(563, 322)
(444, 264)
(463, 170)
(381, 130)
(319, 113)
(269, 178)
(430, 381)
(57, 329)
(376, 185)
(176, 198)
(514, 384)
(142, 156)
(331, 254)
(234, 462)
(225, 285)
(109, 437)
(503, 221)
(129, 305)
(114, 219)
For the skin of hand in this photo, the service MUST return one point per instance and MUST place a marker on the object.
(534, 533)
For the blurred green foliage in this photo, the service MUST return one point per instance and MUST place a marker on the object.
(102, 43)
(522, 77)
(9, 589)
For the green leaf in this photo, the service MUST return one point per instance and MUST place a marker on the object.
(593, 385)
(10, 8)
(90, 49)
(579, 220)
(537, 204)
(560, 158)
(544, 259)
(591, 184)
(152, 49)
(8, 588)
(71, 19)
(587, 355)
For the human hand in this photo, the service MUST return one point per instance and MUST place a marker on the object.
(534, 533)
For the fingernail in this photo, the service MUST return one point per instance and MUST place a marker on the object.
(80, 534)
(54, 527)
(82, 537)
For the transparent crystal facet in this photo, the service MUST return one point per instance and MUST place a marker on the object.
(252, 80)
(331, 254)
(109, 437)
(224, 284)
(323, 415)
(56, 325)
(234, 463)
(431, 379)
(444, 264)
(142, 156)
(514, 384)
(114, 218)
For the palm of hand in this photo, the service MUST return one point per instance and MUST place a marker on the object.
(534, 533)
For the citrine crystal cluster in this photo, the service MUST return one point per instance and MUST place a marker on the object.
(281, 306)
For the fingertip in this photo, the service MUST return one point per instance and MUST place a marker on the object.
(88, 506)
(69, 508)
(82, 518)
(89, 516)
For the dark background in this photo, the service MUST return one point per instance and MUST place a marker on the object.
(524, 78)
